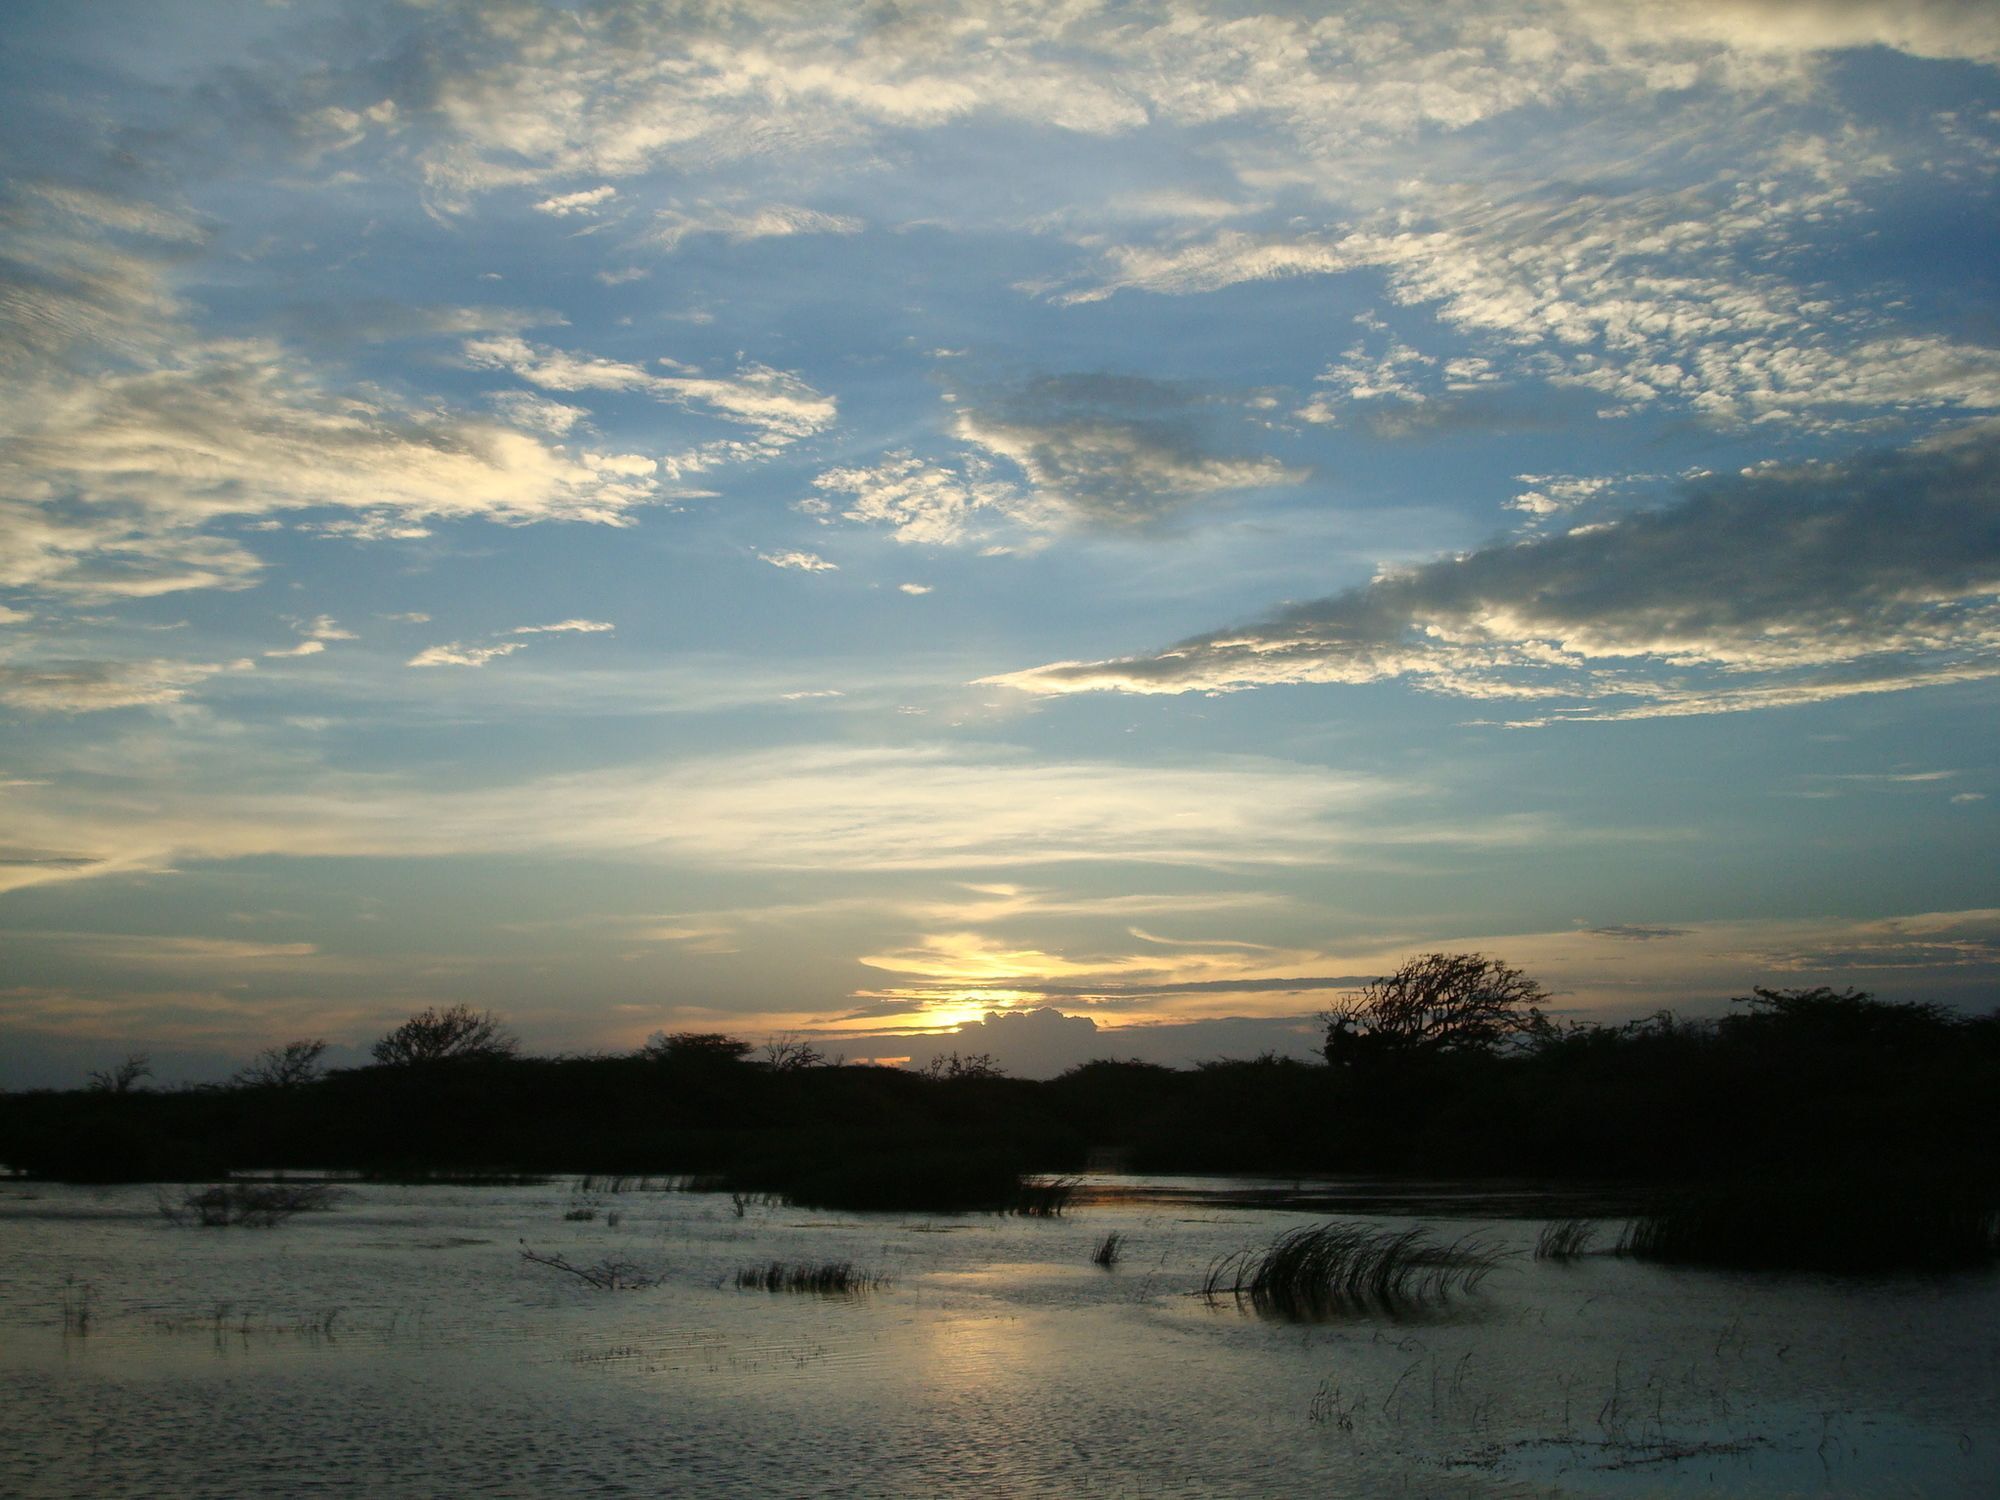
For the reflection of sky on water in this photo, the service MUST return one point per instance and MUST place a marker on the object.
(997, 1360)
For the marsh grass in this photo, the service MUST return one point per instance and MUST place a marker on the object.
(829, 1279)
(456, 1177)
(582, 1215)
(1847, 1226)
(1044, 1197)
(255, 1205)
(1109, 1250)
(1565, 1239)
(1332, 1270)
(78, 1310)
(625, 1182)
(612, 1274)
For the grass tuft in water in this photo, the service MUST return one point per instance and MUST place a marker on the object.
(1565, 1239)
(77, 1311)
(829, 1279)
(1109, 1250)
(1332, 1270)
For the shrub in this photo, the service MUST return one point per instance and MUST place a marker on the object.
(258, 1205)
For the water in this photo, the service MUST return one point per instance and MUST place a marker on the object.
(400, 1345)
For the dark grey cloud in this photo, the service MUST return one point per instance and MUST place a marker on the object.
(1118, 450)
(1774, 586)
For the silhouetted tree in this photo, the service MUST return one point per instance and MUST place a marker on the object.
(288, 1066)
(790, 1052)
(971, 1065)
(457, 1034)
(1435, 1003)
(123, 1078)
(693, 1047)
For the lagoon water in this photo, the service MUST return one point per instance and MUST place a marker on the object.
(400, 1345)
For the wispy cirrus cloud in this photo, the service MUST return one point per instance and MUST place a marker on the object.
(763, 222)
(77, 687)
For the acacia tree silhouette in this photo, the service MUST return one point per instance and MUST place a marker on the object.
(1435, 1003)
(456, 1034)
(290, 1065)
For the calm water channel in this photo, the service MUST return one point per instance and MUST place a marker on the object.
(400, 1345)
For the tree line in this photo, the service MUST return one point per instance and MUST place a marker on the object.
(1449, 1066)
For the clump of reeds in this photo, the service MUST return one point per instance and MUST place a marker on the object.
(1565, 1239)
(1109, 1250)
(625, 1182)
(1044, 1197)
(1855, 1226)
(830, 1279)
(258, 1205)
(1329, 1270)
(611, 1274)
(580, 1215)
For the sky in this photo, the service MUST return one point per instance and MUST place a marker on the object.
(1048, 529)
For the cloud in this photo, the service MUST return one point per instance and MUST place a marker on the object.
(918, 501)
(771, 221)
(77, 687)
(851, 809)
(144, 459)
(780, 405)
(584, 201)
(1785, 585)
(916, 590)
(580, 627)
(1112, 450)
(804, 562)
(303, 648)
(458, 654)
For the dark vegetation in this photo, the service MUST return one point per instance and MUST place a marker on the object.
(1565, 1239)
(1333, 1270)
(831, 1279)
(612, 1274)
(256, 1205)
(1110, 1250)
(1447, 1068)
(1915, 1223)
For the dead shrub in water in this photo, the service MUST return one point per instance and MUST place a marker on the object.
(257, 1205)
(1565, 1239)
(831, 1279)
(1329, 1270)
(1108, 1250)
(609, 1275)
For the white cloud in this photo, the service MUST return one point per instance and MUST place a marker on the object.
(303, 648)
(921, 502)
(804, 562)
(584, 201)
(769, 221)
(915, 589)
(458, 654)
(581, 627)
(779, 404)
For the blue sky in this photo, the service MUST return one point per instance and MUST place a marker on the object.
(1051, 529)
